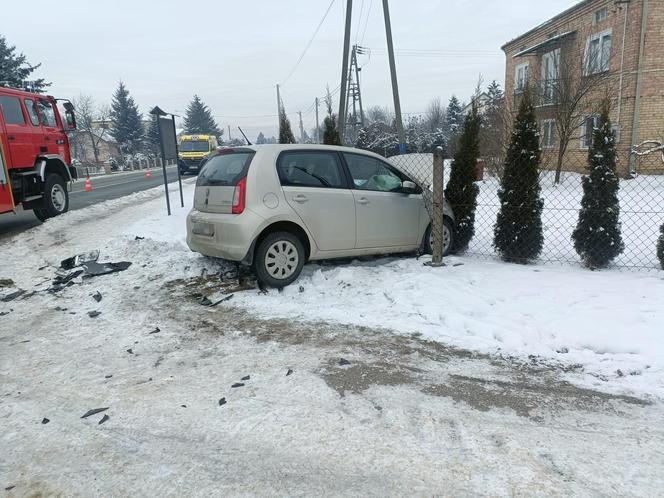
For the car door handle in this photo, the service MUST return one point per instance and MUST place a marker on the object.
(301, 198)
(363, 200)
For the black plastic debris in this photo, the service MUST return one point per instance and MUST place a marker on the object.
(104, 419)
(60, 308)
(6, 282)
(94, 411)
(94, 269)
(138, 237)
(108, 376)
(79, 259)
(3, 313)
(289, 372)
(62, 281)
(344, 361)
(12, 295)
(222, 401)
(183, 406)
(45, 421)
(246, 377)
(301, 289)
(9, 488)
(155, 331)
(94, 314)
(97, 296)
(237, 384)
(130, 351)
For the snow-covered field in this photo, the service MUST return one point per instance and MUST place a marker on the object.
(403, 416)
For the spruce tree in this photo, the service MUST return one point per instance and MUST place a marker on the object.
(152, 136)
(331, 135)
(260, 139)
(285, 133)
(461, 191)
(597, 237)
(453, 122)
(199, 120)
(518, 234)
(126, 121)
(660, 246)
(15, 70)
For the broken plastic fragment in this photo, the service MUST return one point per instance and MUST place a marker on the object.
(94, 411)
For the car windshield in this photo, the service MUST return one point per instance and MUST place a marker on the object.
(195, 146)
(225, 169)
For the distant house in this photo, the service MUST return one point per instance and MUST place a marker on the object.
(481, 100)
(605, 47)
(83, 145)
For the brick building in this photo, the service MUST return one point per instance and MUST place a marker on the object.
(597, 48)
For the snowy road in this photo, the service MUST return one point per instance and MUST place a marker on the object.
(329, 408)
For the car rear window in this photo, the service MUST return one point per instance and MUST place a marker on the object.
(225, 169)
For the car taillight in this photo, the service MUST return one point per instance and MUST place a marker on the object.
(239, 196)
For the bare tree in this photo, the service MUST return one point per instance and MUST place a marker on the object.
(90, 120)
(434, 117)
(574, 75)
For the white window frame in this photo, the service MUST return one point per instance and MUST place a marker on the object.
(548, 140)
(525, 66)
(584, 130)
(549, 78)
(604, 12)
(603, 65)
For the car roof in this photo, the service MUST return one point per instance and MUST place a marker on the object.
(276, 148)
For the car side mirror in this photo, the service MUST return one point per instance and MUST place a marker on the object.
(408, 187)
(70, 120)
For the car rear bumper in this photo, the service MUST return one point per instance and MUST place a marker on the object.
(225, 236)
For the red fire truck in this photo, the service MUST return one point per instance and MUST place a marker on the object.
(35, 161)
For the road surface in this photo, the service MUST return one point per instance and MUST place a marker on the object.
(103, 188)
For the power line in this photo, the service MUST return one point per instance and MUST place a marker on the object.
(306, 48)
(359, 21)
(366, 23)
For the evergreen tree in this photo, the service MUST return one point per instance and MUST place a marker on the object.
(330, 131)
(260, 139)
(518, 230)
(660, 247)
(199, 120)
(15, 70)
(453, 122)
(152, 136)
(126, 121)
(597, 237)
(285, 133)
(461, 191)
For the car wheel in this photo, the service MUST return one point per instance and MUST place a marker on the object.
(41, 214)
(279, 259)
(56, 197)
(448, 238)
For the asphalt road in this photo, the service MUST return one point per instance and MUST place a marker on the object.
(103, 188)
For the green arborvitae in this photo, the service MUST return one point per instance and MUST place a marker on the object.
(660, 247)
(518, 234)
(285, 133)
(15, 70)
(461, 191)
(597, 237)
(199, 120)
(330, 135)
(126, 122)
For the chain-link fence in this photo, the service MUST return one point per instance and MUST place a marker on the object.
(641, 201)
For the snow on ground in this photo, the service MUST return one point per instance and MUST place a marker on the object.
(403, 417)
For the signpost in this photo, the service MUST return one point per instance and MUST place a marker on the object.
(169, 149)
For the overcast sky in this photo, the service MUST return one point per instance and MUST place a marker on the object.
(232, 54)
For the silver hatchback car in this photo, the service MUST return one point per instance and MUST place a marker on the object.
(278, 206)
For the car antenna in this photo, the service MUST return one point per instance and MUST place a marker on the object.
(245, 136)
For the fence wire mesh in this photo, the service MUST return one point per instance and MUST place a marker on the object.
(641, 200)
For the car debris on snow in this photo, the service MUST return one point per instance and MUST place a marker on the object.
(6, 282)
(343, 362)
(108, 376)
(237, 384)
(79, 259)
(10, 296)
(45, 421)
(155, 331)
(222, 402)
(290, 371)
(94, 411)
(97, 296)
(94, 314)
(104, 419)
(130, 351)
(246, 377)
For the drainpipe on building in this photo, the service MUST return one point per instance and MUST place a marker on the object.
(622, 66)
(639, 83)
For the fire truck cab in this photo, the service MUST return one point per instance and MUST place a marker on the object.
(35, 160)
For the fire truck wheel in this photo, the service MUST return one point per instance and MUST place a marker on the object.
(56, 197)
(41, 214)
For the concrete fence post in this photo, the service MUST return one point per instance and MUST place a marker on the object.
(437, 226)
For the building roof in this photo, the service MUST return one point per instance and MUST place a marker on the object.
(539, 46)
(564, 13)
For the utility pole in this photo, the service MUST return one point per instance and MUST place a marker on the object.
(301, 128)
(229, 133)
(357, 84)
(344, 72)
(278, 110)
(317, 125)
(393, 74)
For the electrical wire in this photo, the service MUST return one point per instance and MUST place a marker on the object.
(306, 48)
(366, 23)
(359, 21)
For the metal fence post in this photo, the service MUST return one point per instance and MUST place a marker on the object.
(438, 200)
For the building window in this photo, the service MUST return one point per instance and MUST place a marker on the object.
(548, 134)
(587, 130)
(600, 15)
(598, 52)
(550, 75)
(521, 77)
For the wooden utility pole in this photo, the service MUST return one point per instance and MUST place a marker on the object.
(301, 128)
(229, 133)
(317, 125)
(278, 109)
(393, 74)
(344, 73)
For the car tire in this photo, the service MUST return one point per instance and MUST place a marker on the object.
(56, 197)
(279, 259)
(448, 230)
